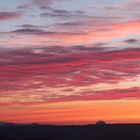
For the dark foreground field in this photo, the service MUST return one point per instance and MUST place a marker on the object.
(88, 132)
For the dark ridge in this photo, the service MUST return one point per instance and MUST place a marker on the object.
(70, 132)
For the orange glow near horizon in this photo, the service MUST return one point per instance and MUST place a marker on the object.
(83, 112)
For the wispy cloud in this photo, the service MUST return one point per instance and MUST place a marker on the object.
(10, 15)
(37, 3)
(63, 74)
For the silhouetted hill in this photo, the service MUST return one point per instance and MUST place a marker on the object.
(7, 123)
(85, 132)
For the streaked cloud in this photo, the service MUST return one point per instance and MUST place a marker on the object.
(68, 73)
(10, 15)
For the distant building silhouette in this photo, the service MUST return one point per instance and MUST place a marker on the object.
(34, 124)
(100, 123)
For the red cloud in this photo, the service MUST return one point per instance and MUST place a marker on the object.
(130, 93)
(34, 72)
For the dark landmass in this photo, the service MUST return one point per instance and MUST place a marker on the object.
(73, 132)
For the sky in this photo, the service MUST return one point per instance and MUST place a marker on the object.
(70, 61)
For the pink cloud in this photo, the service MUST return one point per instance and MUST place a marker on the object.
(10, 15)
(94, 34)
(27, 72)
(130, 93)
